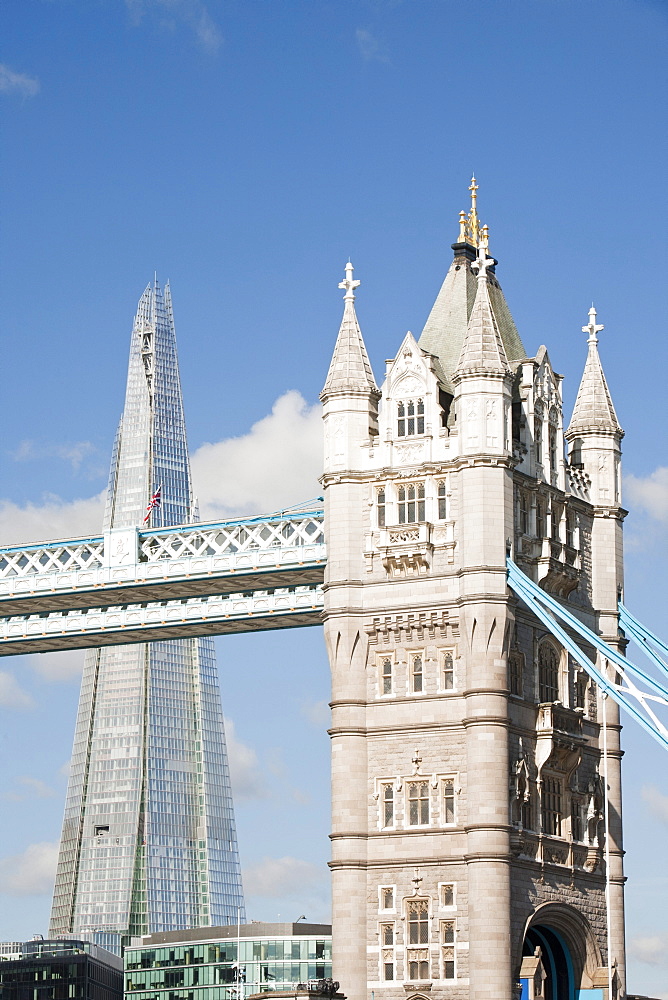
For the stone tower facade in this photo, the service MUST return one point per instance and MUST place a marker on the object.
(467, 773)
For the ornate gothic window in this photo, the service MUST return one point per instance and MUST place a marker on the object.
(418, 921)
(551, 806)
(570, 529)
(387, 897)
(548, 673)
(557, 511)
(410, 417)
(417, 677)
(380, 507)
(448, 799)
(448, 948)
(442, 502)
(540, 519)
(388, 805)
(387, 943)
(448, 673)
(418, 803)
(577, 825)
(411, 503)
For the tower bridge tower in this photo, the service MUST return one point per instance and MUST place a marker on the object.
(467, 773)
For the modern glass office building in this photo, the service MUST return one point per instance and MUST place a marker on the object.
(148, 841)
(61, 970)
(227, 963)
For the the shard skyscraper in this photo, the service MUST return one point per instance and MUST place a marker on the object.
(148, 841)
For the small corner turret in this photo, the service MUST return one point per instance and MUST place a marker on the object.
(350, 369)
(350, 394)
(594, 434)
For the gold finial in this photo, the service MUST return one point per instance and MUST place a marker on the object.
(473, 188)
(462, 227)
(472, 224)
(484, 238)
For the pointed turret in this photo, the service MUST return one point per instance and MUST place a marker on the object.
(482, 350)
(594, 434)
(444, 331)
(350, 370)
(593, 410)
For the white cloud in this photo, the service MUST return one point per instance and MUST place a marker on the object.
(653, 950)
(65, 666)
(193, 13)
(17, 83)
(31, 788)
(371, 48)
(31, 873)
(29, 451)
(275, 465)
(245, 774)
(279, 878)
(649, 493)
(53, 518)
(657, 802)
(12, 694)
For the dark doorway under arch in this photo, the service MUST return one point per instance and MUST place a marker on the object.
(560, 984)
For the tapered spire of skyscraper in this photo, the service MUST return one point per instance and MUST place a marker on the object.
(149, 840)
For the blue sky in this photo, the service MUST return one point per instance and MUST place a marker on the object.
(244, 149)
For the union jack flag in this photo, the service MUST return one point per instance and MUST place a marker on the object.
(154, 503)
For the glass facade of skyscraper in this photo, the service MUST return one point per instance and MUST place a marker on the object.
(227, 963)
(148, 841)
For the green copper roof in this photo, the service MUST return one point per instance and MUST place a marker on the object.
(445, 329)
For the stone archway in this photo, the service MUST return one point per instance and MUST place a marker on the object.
(570, 950)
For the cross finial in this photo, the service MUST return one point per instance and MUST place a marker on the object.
(483, 261)
(416, 761)
(592, 327)
(416, 880)
(349, 284)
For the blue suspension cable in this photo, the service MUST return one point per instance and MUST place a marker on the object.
(544, 607)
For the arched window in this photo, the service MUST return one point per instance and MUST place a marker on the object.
(551, 806)
(380, 507)
(386, 676)
(410, 417)
(411, 503)
(418, 934)
(442, 501)
(548, 673)
(448, 671)
(416, 672)
(388, 805)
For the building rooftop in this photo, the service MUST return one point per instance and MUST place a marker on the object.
(256, 929)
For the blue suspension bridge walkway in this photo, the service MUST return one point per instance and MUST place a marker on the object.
(249, 574)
